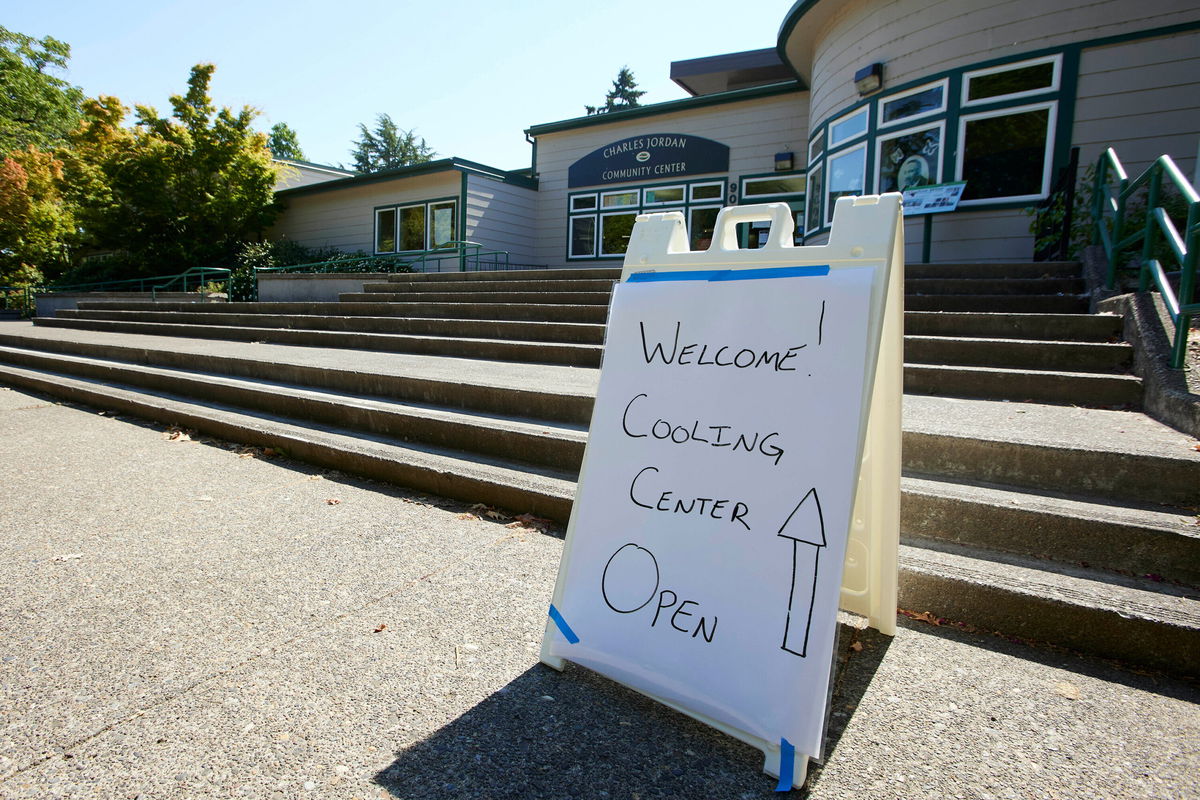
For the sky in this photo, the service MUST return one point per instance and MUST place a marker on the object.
(469, 76)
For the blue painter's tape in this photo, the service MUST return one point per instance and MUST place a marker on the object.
(787, 765)
(563, 627)
(730, 274)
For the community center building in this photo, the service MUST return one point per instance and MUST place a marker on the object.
(856, 97)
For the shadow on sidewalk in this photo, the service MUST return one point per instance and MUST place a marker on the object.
(579, 735)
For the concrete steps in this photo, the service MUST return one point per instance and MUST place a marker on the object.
(1046, 521)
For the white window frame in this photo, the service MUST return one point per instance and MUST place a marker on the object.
(693, 187)
(816, 141)
(816, 169)
(879, 141)
(746, 198)
(637, 195)
(395, 229)
(600, 231)
(646, 190)
(429, 220)
(595, 235)
(1055, 81)
(1047, 154)
(829, 171)
(593, 208)
(881, 123)
(830, 144)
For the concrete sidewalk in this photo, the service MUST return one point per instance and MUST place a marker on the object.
(179, 619)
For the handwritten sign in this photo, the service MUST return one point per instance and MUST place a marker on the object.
(933, 199)
(705, 556)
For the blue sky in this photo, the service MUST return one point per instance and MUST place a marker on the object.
(469, 76)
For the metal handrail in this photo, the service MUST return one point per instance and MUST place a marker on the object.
(1184, 247)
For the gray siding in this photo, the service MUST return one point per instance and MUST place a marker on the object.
(754, 130)
(345, 218)
(915, 38)
(1141, 98)
(500, 216)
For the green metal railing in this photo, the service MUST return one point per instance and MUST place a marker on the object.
(460, 256)
(1111, 195)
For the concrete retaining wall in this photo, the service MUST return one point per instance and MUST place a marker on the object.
(312, 287)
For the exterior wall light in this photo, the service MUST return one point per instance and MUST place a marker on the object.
(869, 79)
(784, 161)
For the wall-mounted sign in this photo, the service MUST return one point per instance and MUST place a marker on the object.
(649, 157)
(933, 199)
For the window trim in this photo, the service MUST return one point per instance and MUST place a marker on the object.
(881, 123)
(600, 231)
(595, 235)
(818, 140)
(395, 224)
(426, 207)
(692, 187)
(747, 179)
(637, 202)
(940, 124)
(1047, 151)
(828, 171)
(586, 195)
(817, 169)
(1055, 59)
(659, 203)
(830, 144)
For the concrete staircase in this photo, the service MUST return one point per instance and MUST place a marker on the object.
(1036, 502)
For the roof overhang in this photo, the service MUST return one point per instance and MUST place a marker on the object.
(714, 74)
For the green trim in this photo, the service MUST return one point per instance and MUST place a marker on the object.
(790, 21)
(414, 170)
(669, 107)
(462, 221)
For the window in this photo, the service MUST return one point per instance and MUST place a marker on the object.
(663, 194)
(441, 224)
(412, 228)
(701, 224)
(772, 186)
(421, 226)
(909, 158)
(619, 199)
(1012, 81)
(385, 230)
(599, 224)
(923, 101)
(614, 233)
(583, 236)
(848, 127)
(847, 174)
(812, 217)
(815, 148)
(1005, 154)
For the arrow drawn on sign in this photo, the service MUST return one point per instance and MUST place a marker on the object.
(807, 541)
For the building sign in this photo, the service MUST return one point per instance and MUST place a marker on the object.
(649, 157)
(933, 199)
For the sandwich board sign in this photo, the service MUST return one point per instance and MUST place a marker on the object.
(713, 529)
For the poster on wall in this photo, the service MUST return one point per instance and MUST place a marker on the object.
(911, 160)
(704, 562)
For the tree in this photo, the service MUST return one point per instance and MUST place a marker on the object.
(388, 147)
(173, 192)
(624, 94)
(35, 222)
(284, 143)
(37, 109)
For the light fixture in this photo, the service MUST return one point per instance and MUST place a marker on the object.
(784, 161)
(869, 79)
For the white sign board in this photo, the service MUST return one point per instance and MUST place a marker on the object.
(710, 524)
(933, 199)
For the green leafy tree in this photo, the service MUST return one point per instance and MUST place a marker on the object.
(174, 192)
(37, 108)
(284, 143)
(35, 222)
(624, 94)
(388, 147)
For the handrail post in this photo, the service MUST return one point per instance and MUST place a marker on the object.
(1151, 227)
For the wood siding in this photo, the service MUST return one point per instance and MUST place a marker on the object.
(345, 218)
(754, 130)
(500, 216)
